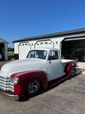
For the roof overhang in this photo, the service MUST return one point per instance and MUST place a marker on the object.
(75, 38)
(3, 41)
(52, 35)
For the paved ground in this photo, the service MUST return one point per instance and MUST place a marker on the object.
(66, 98)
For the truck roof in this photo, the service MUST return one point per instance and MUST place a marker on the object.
(48, 49)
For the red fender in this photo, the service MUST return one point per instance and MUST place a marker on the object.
(68, 69)
(26, 77)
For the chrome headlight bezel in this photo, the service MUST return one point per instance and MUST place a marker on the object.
(15, 80)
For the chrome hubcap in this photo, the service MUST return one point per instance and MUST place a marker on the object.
(33, 87)
(72, 72)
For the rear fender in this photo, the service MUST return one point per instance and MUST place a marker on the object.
(69, 67)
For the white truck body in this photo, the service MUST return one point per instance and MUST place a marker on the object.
(54, 68)
(45, 60)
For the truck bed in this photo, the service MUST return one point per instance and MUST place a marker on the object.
(67, 61)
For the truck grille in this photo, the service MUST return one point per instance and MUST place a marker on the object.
(6, 84)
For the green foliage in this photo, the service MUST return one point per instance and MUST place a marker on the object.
(10, 55)
(10, 49)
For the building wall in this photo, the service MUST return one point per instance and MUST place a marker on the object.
(22, 48)
(6, 51)
(16, 47)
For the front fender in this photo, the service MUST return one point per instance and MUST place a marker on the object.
(26, 77)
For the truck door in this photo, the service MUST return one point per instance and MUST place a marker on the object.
(54, 66)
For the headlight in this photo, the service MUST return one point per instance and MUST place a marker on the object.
(15, 80)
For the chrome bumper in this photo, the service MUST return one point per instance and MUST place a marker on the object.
(11, 96)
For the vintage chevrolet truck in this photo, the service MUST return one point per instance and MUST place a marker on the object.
(28, 76)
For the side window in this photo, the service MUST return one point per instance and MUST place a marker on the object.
(53, 55)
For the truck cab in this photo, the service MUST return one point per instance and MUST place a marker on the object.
(51, 61)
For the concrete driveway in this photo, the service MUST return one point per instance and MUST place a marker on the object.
(66, 98)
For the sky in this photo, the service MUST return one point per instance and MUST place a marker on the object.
(25, 18)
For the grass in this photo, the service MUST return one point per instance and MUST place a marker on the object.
(10, 55)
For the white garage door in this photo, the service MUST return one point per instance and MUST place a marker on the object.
(23, 50)
(44, 44)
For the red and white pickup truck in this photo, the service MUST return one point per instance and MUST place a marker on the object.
(28, 76)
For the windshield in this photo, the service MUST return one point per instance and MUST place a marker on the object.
(41, 54)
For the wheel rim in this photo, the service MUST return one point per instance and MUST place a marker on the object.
(33, 87)
(72, 72)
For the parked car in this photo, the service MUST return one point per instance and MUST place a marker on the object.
(28, 76)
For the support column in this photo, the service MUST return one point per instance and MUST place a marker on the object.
(6, 51)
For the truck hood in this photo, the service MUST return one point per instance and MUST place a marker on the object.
(21, 65)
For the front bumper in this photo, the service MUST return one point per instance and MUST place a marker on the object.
(11, 96)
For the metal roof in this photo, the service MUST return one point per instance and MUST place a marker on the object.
(56, 34)
(3, 41)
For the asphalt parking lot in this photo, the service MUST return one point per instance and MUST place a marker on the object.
(65, 98)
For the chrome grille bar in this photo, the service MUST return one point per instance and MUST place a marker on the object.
(6, 84)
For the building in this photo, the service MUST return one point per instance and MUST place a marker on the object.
(70, 43)
(3, 49)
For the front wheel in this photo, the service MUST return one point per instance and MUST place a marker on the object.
(33, 87)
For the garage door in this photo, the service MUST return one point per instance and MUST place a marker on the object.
(2, 51)
(23, 49)
(74, 50)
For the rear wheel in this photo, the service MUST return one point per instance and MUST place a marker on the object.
(70, 70)
(73, 71)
